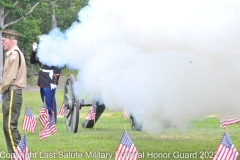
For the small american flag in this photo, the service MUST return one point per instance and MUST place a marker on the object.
(61, 112)
(126, 114)
(126, 149)
(29, 122)
(21, 152)
(226, 150)
(43, 116)
(226, 120)
(92, 112)
(94, 108)
(48, 130)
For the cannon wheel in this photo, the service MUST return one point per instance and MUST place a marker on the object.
(134, 124)
(71, 105)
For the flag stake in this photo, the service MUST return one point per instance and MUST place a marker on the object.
(95, 127)
(58, 139)
(57, 132)
(24, 115)
(25, 110)
(172, 123)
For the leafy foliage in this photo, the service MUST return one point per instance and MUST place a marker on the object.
(67, 13)
(7, 4)
(34, 17)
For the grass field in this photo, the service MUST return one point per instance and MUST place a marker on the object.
(198, 141)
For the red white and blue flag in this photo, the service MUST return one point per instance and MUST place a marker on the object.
(126, 114)
(126, 149)
(29, 122)
(92, 112)
(226, 149)
(21, 152)
(228, 119)
(61, 111)
(43, 116)
(48, 130)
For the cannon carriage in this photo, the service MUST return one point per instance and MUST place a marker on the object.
(73, 105)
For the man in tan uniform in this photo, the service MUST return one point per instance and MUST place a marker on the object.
(13, 80)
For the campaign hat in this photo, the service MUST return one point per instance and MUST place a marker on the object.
(10, 34)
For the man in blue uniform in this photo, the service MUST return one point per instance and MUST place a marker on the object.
(47, 81)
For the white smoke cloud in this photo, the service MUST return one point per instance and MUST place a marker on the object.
(172, 59)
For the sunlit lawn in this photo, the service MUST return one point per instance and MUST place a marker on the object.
(201, 138)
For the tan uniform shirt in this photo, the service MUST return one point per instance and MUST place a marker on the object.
(13, 75)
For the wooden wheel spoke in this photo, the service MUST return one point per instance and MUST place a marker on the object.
(71, 105)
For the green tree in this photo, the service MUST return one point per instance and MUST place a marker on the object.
(13, 12)
(34, 17)
(57, 13)
(67, 12)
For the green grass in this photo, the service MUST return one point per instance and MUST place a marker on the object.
(201, 138)
(65, 72)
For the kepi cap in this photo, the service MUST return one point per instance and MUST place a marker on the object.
(10, 34)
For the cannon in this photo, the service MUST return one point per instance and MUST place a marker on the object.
(72, 106)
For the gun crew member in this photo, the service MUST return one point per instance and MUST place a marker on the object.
(48, 78)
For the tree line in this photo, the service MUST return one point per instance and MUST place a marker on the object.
(32, 18)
